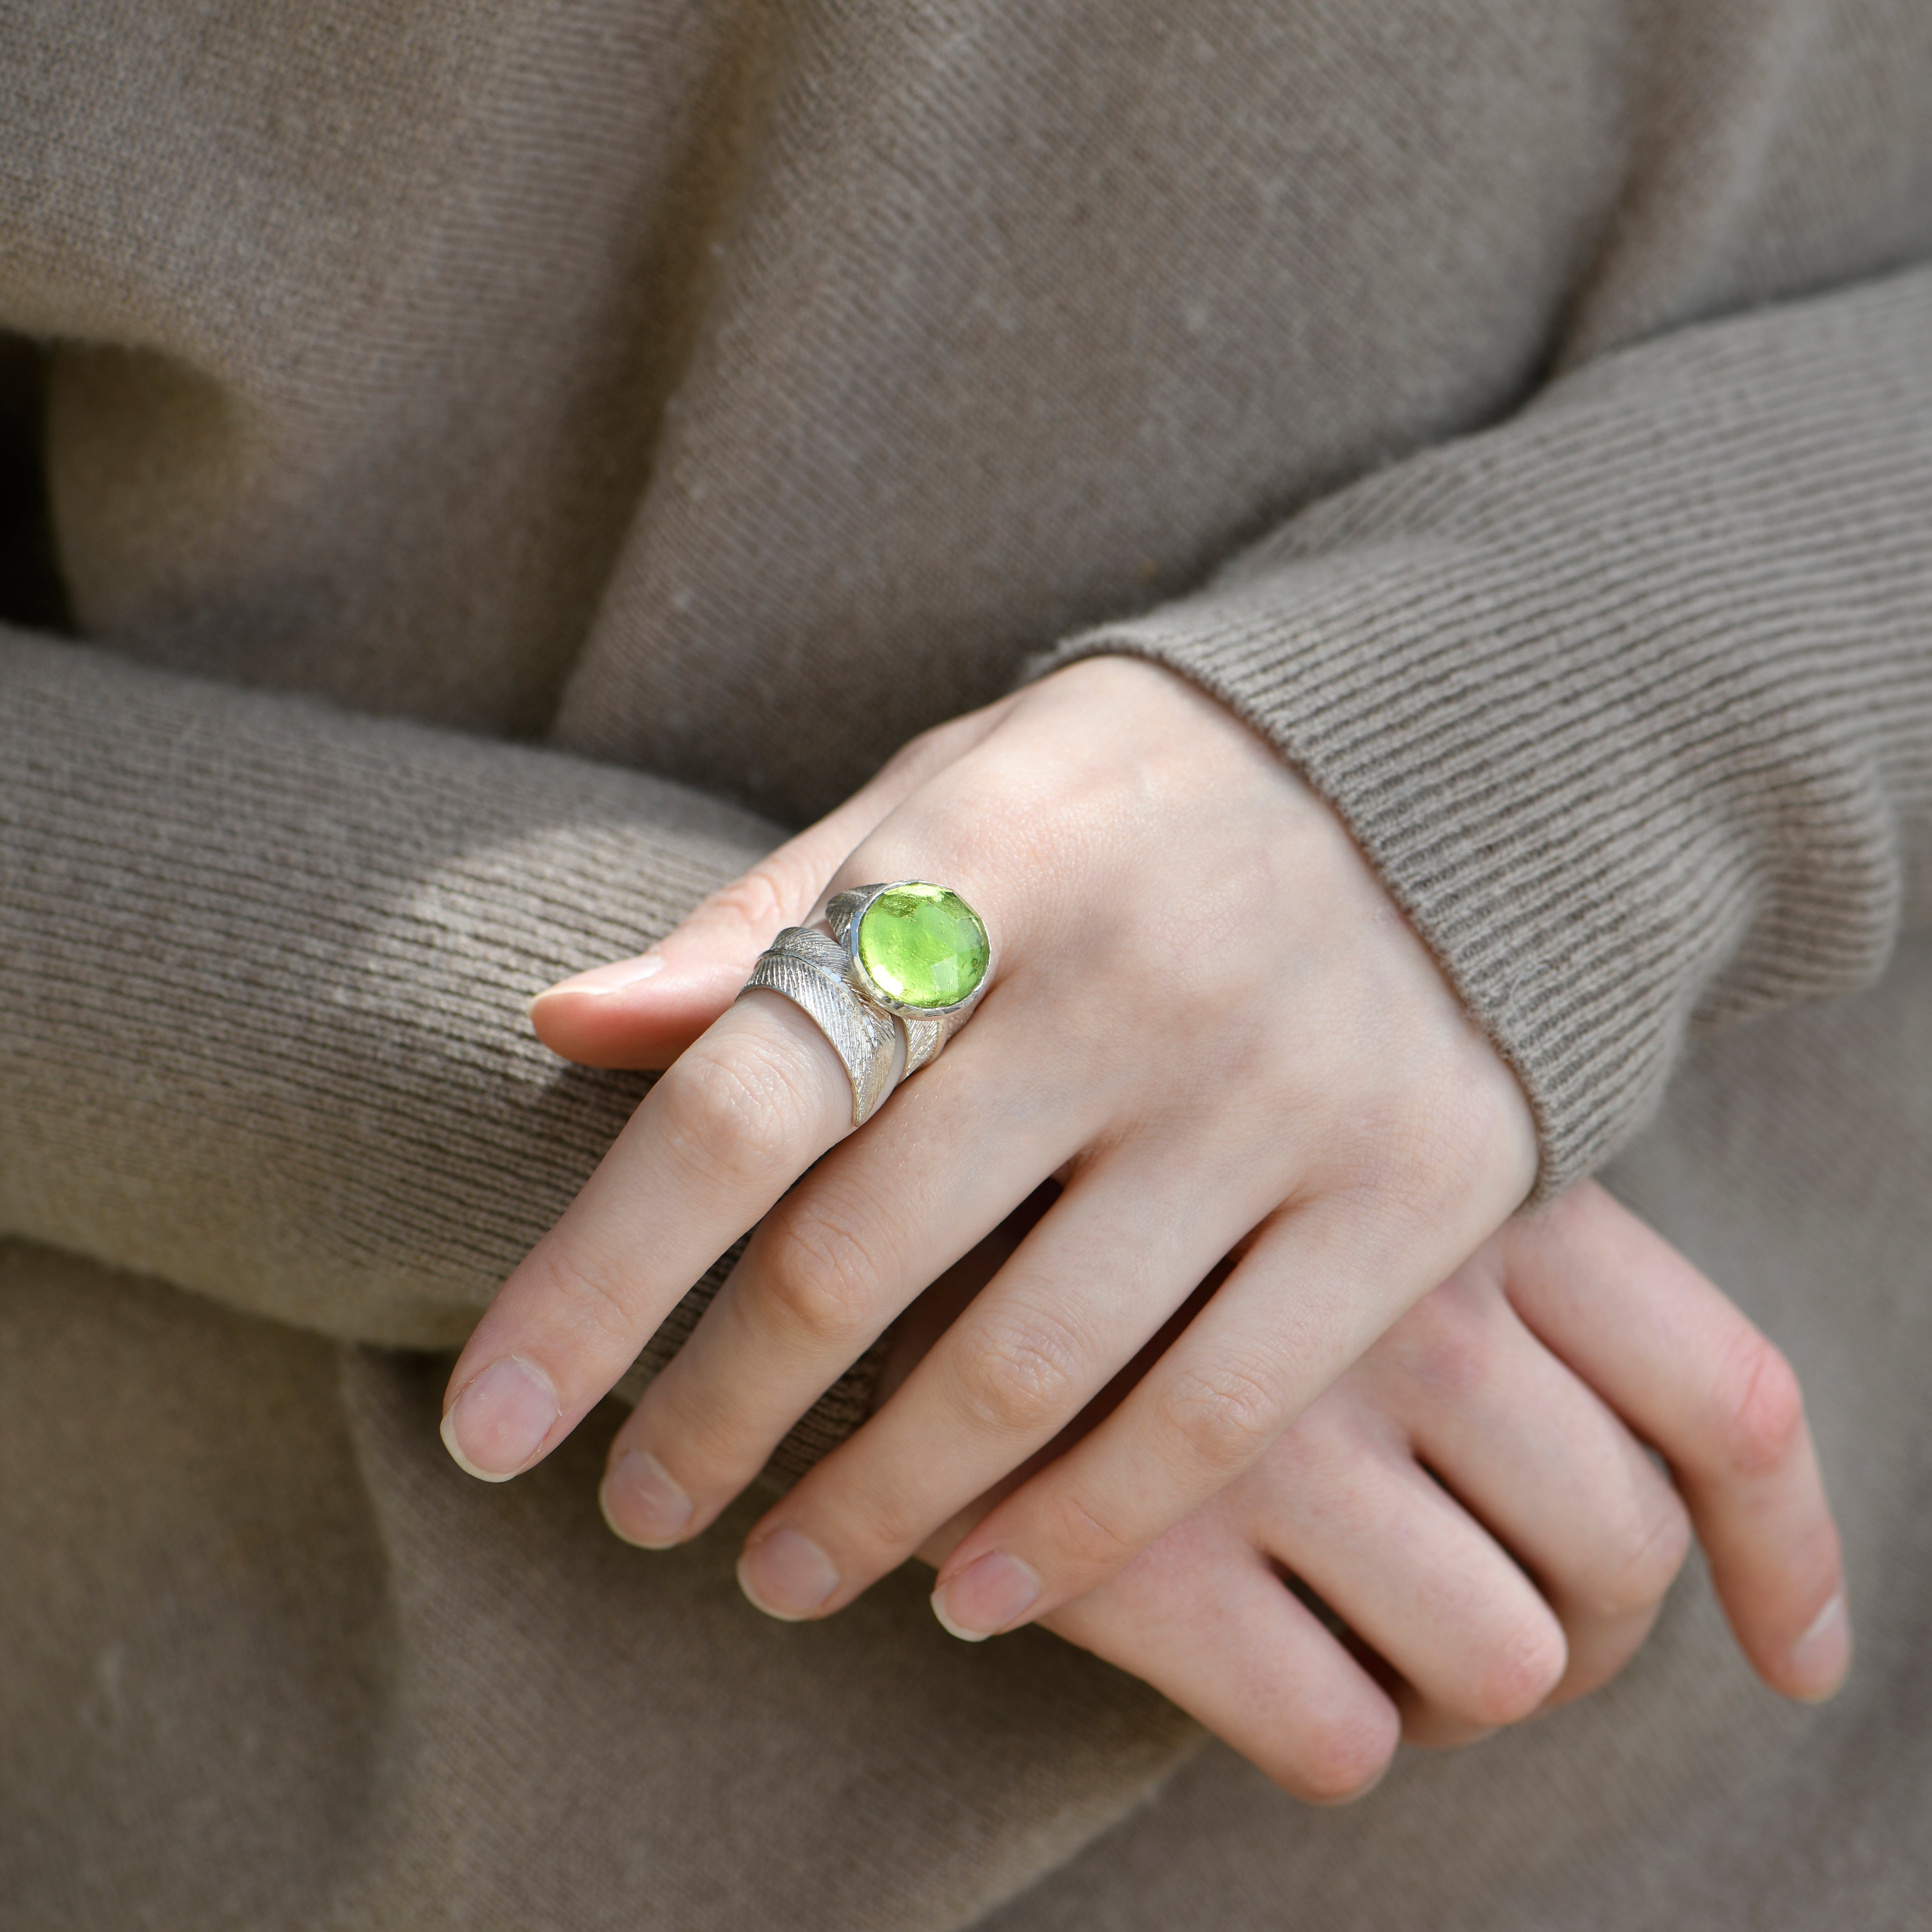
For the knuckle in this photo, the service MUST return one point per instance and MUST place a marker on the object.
(1636, 1582)
(1344, 1759)
(1421, 1155)
(1398, 1168)
(578, 1274)
(819, 1279)
(759, 901)
(1086, 1547)
(1517, 1676)
(1760, 1410)
(1449, 1339)
(1223, 1414)
(936, 744)
(730, 1116)
(1019, 1371)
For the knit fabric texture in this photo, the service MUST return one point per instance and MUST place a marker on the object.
(499, 465)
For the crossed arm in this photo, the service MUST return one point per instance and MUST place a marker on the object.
(264, 948)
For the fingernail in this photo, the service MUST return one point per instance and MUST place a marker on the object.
(499, 1420)
(1820, 1658)
(641, 1502)
(991, 1592)
(608, 978)
(786, 1575)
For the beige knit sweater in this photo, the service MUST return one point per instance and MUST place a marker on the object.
(504, 461)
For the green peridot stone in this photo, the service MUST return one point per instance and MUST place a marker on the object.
(923, 946)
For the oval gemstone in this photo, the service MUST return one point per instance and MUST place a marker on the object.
(923, 946)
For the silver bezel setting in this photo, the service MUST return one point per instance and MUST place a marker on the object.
(879, 1041)
(844, 914)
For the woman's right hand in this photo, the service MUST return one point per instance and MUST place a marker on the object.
(1202, 1009)
(1474, 1504)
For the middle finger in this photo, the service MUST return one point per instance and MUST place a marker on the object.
(1094, 1280)
(834, 1263)
(1530, 1450)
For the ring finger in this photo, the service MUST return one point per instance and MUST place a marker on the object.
(1203, 1617)
(831, 1266)
(1093, 1281)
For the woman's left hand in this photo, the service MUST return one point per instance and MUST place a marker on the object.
(1473, 1505)
(1204, 1013)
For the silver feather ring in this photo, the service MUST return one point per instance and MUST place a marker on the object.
(889, 975)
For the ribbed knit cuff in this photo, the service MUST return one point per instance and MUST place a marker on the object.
(1628, 701)
(263, 966)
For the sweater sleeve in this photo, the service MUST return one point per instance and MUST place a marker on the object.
(262, 969)
(1629, 700)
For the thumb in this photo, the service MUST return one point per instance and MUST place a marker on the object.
(644, 1011)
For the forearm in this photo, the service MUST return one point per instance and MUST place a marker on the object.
(1630, 700)
(264, 969)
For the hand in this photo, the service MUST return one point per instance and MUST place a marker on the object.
(1204, 1013)
(1471, 1502)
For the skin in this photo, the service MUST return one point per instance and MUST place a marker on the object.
(1473, 1505)
(1277, 1072)
(1203, 1011)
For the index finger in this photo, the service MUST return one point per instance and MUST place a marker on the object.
(720, 1137)
(1692, 1376)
